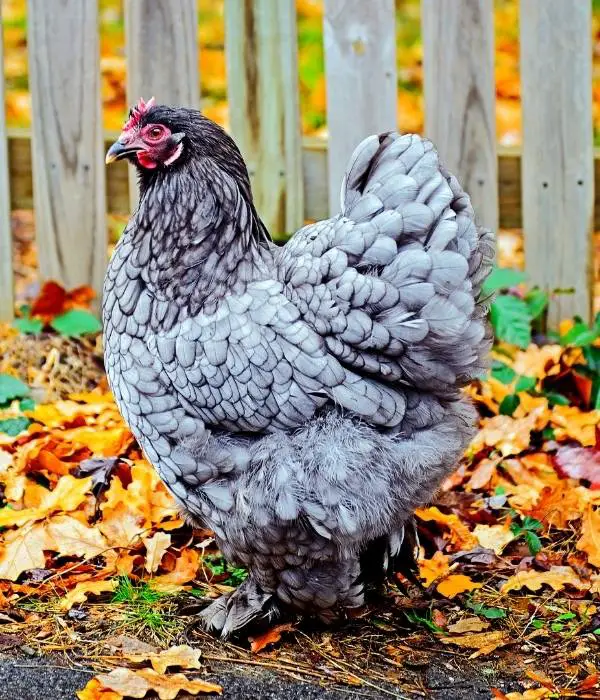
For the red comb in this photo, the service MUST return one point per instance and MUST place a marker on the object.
(137, 112)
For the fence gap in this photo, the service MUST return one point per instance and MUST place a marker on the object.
(360, 65)
(6, 257)
(162, 56)
(557, 156)
(262, 77)
(460, 104)
(67, 151)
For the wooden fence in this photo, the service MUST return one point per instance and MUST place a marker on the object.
(548, 187)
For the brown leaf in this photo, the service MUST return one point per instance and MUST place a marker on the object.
(468, 624)
(130, 645)
(483, 642)
(135, 684)
(70, 537)
(24, 550)
(270, 637)
(81, 591)
(460, 534)
(183, 656)
(186, 568)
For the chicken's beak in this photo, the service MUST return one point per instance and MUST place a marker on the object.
(120, 150)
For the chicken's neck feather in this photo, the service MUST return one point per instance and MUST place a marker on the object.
(198, 236)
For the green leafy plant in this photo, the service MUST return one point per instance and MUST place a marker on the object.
(11, 388)
(490, 613)
(75, 323)
(217, 566)
(528, 530)
(425, 620)
(144, 608)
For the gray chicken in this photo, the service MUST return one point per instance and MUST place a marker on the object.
(301, 400)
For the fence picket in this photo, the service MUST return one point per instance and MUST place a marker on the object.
(557, 160)
(68, 167)
(360, 65)
(162, 56)
(460, 107)
(262, 69)
(6, 259)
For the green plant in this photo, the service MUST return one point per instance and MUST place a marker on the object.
(145, 609)
(528, 531)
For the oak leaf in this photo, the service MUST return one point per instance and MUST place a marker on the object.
(81, 591)
(156, 546)
(135, 684)
(557, 577)
(468, 624)
(589, 541)
(482, 642)
(70, 537)
(271, 636)
(494, 537)
(24, 550)
(183, 656)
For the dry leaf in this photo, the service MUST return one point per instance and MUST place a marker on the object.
(530, 694)
(494, 537)
(186, 568)
(483, 642)
(460, 534)
(270, 637)
(81, 591)
(135, 684)
(579, 463)
(468, 624)
(70, 537)
(24, 550)
(455, 584)
(432, 569)
(183, 656)
(557, 577)
(156, 546)
(590, 535)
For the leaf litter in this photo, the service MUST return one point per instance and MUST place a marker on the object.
(97, 564)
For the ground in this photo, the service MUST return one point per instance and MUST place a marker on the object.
(101, 581)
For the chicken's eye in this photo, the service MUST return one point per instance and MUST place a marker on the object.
(155, 132)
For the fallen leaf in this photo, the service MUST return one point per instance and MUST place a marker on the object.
(589, 541)
(81, 591)
(186, 568)
(24, 550)
(579, 463)
(572, 423)
(94, 690)
(455, 584)
(130, 645)
(530, 694)
(460, 533)
(432, 569)
(70, 537)
(270, 637)
(468, 624)
(183, 656)
(135, 684)
(483, 642)
(156, 546)
(557, 577)
(494, 537)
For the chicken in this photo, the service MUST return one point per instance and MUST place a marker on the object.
(300, 401)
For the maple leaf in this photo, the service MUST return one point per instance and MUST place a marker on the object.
(24, 550)
(135, 684)
(271, 636)
(590, 535)
(455, 584)
(70, 537)
(183, 656)
(68, 494)
(559, 504)
(81, 591)
(432, 569)
(156, 546)
(557, 577)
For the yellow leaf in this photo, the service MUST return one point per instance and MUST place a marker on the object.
(81, 591)
(24, 551)
(135, 684)
(68, 494)
(156, 546)
(455, 584)
(123, 527)
(183, 656)
(483, 642)
(557, 578)
(531, 694)
(105, 443)
(573, 423)
(590, 535)
(94, 690)
(432, 569)
(494, 537)
(70, 537)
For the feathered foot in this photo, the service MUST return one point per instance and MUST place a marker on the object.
(248, 604)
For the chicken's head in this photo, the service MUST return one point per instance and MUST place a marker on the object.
(146, 141)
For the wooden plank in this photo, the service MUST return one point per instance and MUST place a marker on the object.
(6, 257)
(360, 64)
(558, 185)
(314, 175)
(460, 105)
(68, 163)
(262, 69)
(162, 55)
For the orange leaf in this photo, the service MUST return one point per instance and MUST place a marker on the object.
(183, 656)
(50, 302)
(557, 577)
(81, 591)
(455, 584)
(272, 636)
(590, 535)
(432, 569)
(186, 568)
(461, 536)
